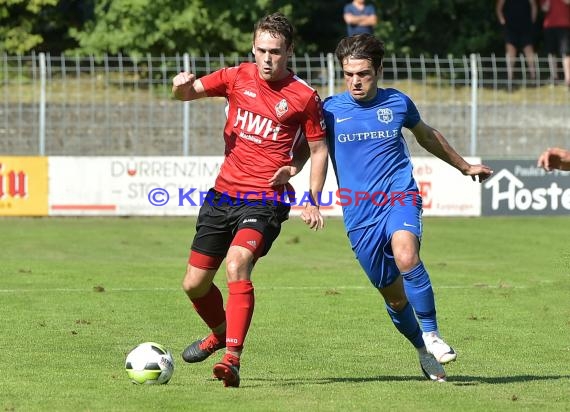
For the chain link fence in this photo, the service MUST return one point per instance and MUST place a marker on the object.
(122, 106)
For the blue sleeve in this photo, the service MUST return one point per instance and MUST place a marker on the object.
(329, 118)
(369, 10)
(412, 113)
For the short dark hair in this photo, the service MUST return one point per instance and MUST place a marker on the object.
(361, 46)
(276, 24)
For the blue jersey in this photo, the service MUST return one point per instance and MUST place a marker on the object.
(369, 154)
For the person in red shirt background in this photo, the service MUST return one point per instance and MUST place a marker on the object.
(556, 28)
(271, 114)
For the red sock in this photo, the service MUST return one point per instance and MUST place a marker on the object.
(210, 307)
(238, 313)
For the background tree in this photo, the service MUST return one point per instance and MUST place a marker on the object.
(439, 27)
(135, 27)
(170, 26)
(41, 25)
(19, 21)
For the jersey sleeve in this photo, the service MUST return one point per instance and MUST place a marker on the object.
(218, 83)
(412, 113)
(314, 121)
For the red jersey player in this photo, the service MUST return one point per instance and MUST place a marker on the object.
(270, 113)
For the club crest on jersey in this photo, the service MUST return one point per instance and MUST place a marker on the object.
(281, 108)
(385, 115)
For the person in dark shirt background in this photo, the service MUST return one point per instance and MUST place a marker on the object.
(517, 18)
(360, 17)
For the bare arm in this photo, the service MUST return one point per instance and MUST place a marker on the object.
(554, 158)
(319, 164)
(369, 20)
(434, 142)
(533, 10)
(186, 87)
(317, 151)
(499, 11)
(349, 18)
(284, 173)
(300, 157)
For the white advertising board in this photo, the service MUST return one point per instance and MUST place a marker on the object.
(129, 185)
(446, 191)
(157, 186)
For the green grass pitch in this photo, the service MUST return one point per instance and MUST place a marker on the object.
(76, 294)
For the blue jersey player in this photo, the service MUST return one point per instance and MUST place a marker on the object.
(381, 205)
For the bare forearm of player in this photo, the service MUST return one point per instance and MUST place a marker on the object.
(434, 142)
(300, 157)
(319, 166)
(189, 92)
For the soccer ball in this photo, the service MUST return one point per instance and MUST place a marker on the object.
(149, 363)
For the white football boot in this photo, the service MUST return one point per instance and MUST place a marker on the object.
(440, 350)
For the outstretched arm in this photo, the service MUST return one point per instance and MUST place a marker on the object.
(554, 158)
(434, 142)
(186, 87)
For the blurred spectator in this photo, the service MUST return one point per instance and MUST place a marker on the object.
(360, 17)
(557, 35)
(517, 18)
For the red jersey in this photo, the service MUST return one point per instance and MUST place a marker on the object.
(265, 123)
(558, 15)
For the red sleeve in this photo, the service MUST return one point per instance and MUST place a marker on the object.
(314, 123)
(219, 82)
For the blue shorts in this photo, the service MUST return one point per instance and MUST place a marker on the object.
(372, 244)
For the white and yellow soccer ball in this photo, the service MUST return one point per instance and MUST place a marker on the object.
(149, 363)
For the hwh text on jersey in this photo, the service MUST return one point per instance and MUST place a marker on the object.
(253, 123)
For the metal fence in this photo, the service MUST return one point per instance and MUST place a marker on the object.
(117, 105)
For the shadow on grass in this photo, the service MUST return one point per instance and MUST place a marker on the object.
(453, 380)
(498, 380)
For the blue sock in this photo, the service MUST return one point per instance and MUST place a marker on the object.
(420, 295)
(406, 322)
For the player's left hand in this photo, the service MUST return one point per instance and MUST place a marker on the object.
(282, 175)
(312, 217)
(480, 172)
